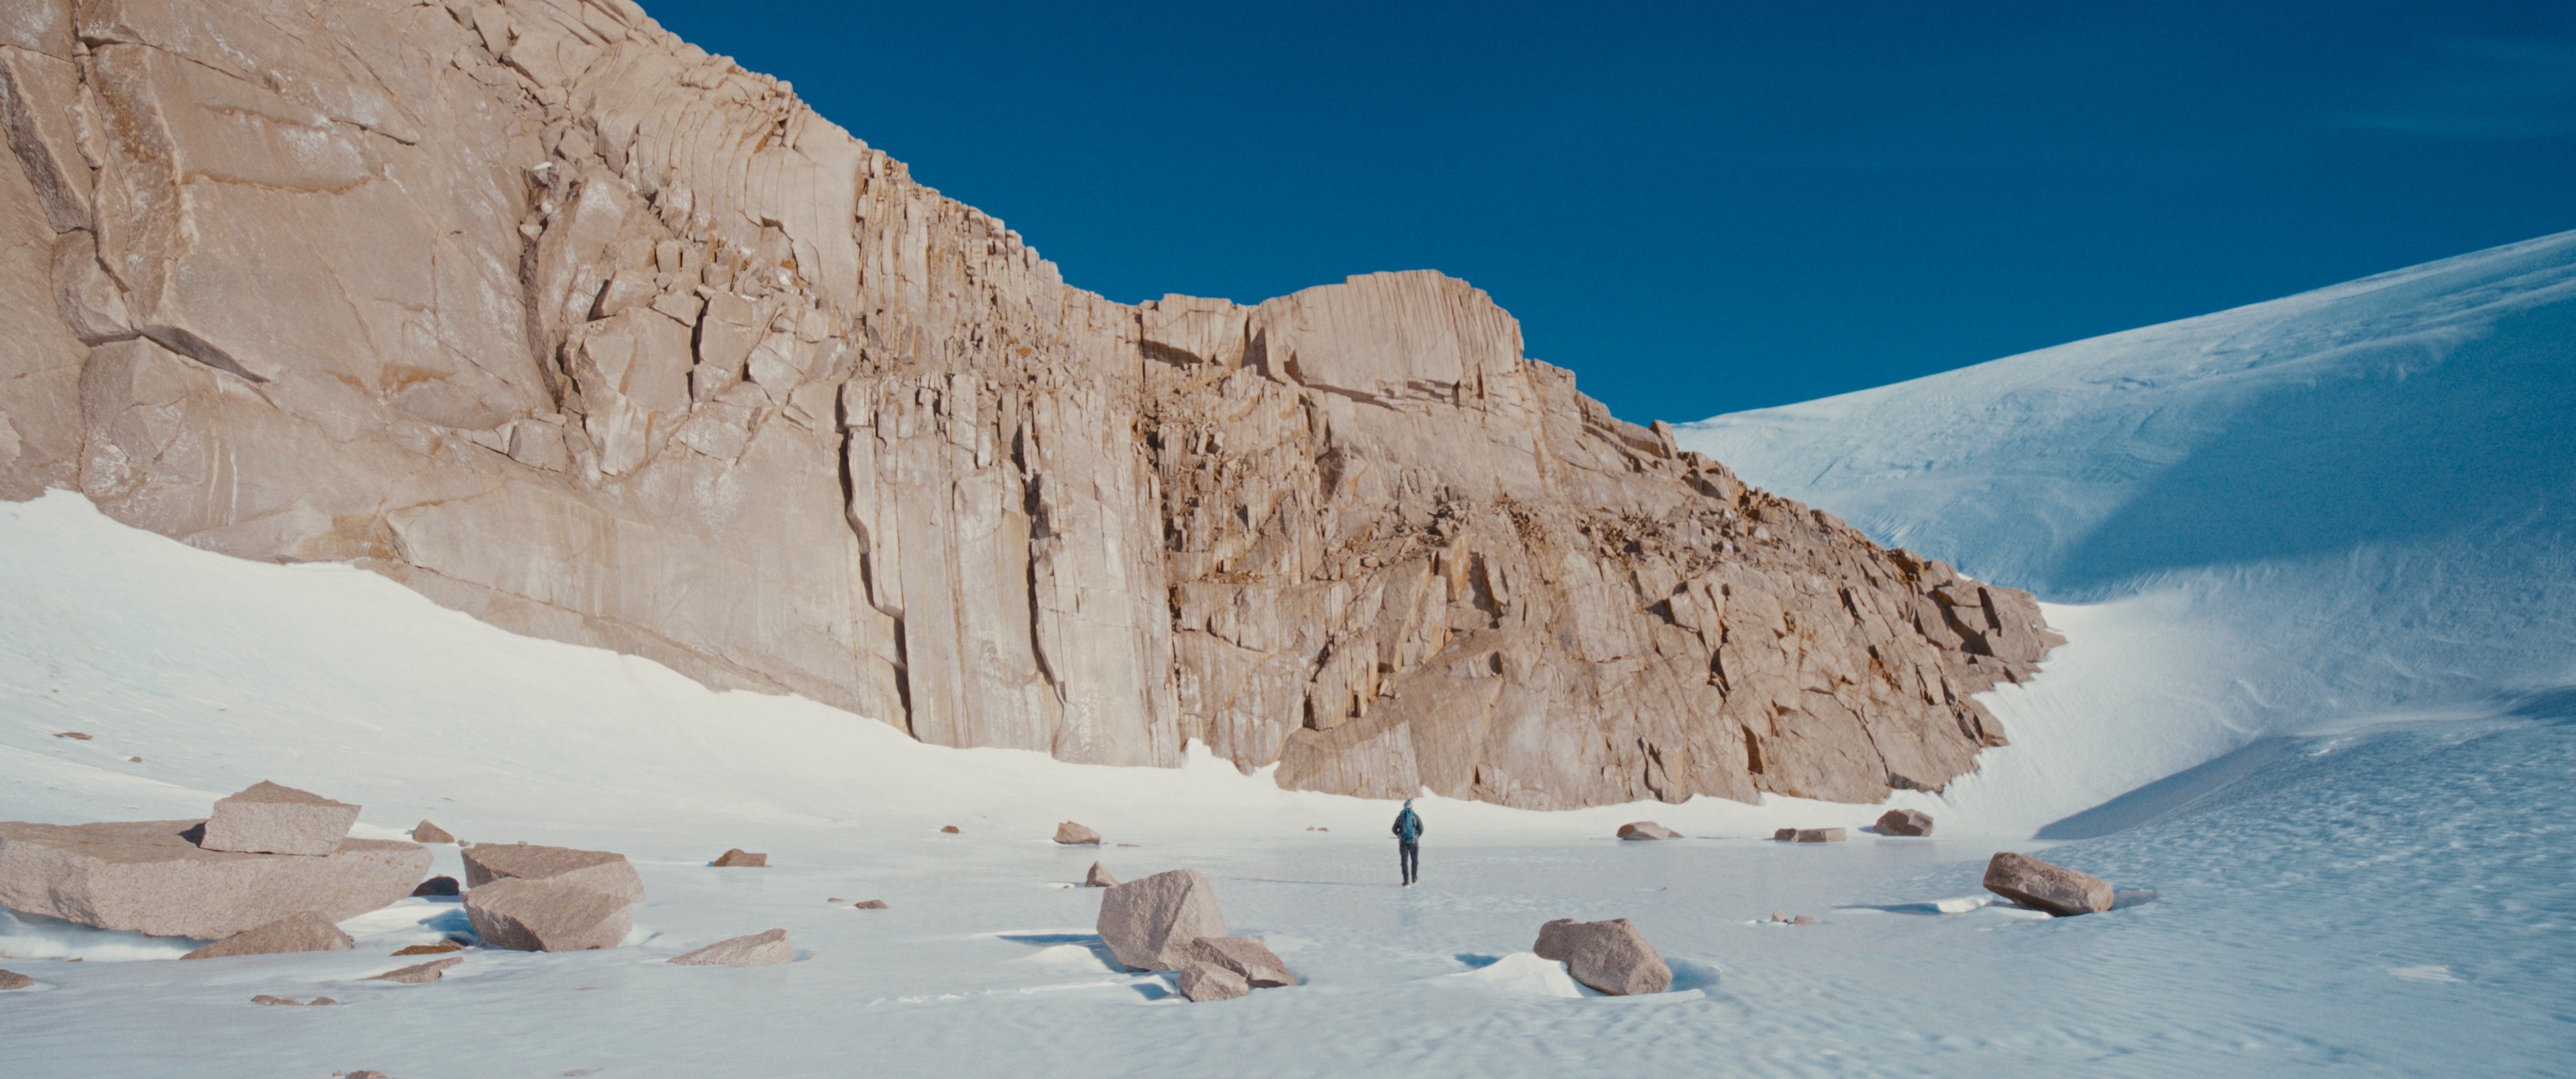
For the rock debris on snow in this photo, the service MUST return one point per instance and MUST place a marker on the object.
(150, 877)
(302, 931)
(950, 829)
(441, 948)
(75, 735)
(425, 832)
(763, 949)
(870, 904)
(419, 973)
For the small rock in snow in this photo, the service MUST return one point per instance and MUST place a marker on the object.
(439, 885)
(1203, 982)
(441, 948)
(1905, 822)
(1074, 835)
(1779, 917)
(1820, 835)
(738, 858)
(10, 979)
(291, 1001)
(74, 735)
(2041, 886)
(870, 904)
(1646, 829)
(1099, 877)
(134, 760)
(1785, 835)
(951, 829)
(1610, 956)
(763, 949)
(425, 832)
(302, 931)
(1804, 920)
(419, 974)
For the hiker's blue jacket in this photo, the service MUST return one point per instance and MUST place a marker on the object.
(1407, 826)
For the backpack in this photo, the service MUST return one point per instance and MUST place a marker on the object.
(1407, 826)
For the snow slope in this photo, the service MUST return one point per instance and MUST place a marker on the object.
(2387, 900)
(2358, 502)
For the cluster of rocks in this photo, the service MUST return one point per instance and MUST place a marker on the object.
(633, 310)
(271, 869)
(1171, 921)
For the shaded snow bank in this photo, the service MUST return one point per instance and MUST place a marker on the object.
(2354, 502)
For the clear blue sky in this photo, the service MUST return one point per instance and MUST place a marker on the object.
(1704, 207)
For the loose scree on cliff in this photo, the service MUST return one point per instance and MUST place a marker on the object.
(569, 325)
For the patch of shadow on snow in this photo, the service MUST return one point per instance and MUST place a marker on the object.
(2166, 796)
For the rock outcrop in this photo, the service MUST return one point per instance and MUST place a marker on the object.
(764, 949)
(1151, 923)
(302, 931)
(2041, 886)
(266, 818)
(1610, 956)
(148, 876)
(569, 325)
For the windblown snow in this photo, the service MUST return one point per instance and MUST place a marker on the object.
(2310, 557)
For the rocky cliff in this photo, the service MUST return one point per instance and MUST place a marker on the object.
(567, 324)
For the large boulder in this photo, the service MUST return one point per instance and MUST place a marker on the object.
(1646, 829)
(302, 931)
(1905, 822)
(1071, 835)
(601, 871)
(1609, 956)
(147, 876)
(1246, 956)
(765, 949)
(266, 818)
(1203, 982)
(2041, 886)
(1149, 923)
(547, 915)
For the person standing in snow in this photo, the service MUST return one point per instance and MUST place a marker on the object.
(1408, 843)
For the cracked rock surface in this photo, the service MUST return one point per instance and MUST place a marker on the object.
(567, 324)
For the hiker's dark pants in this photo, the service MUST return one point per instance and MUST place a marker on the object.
(1408, 856)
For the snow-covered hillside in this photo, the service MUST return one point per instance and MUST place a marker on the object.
(2350, 505)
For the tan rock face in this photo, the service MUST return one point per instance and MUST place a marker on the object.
(764, 949)
(547, 915)
(266, 818)
(1071, 834)
(601, 871)
(619, 344)
(2041, 886)
(1150, 923)
(302, 931)
(1610, 956)
(148, 877)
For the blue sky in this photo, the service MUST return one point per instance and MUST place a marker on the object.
(1707, 207)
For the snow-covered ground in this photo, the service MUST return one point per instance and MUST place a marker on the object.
(2340, 748)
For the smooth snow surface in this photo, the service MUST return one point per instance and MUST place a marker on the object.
(2354, 504)
(2391, 901)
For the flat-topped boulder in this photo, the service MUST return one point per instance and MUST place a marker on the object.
(267, 818)
(764, 949)
(149, 877)
(1905, 822)
(606, 872)
(2040, 886)
(547, 915)
(1646, 829)
(302, 931)
(1149, 923)
(1610, 956)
